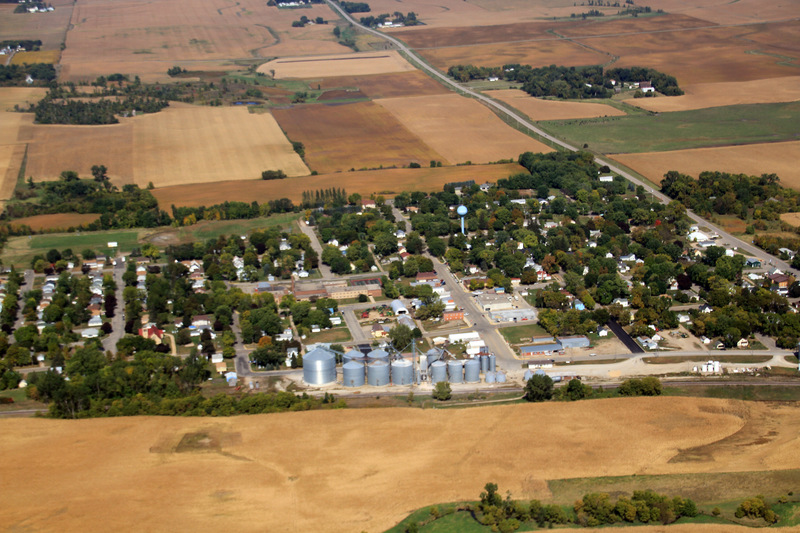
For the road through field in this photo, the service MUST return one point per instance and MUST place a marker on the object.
(742, 246)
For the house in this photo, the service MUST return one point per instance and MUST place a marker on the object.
(424, 277)
(705, 308)
(216, 358)
(646, 87)
(90, 333)
(621, 301)
(647, 343)
(152, 332)
(367, 203)
(743, 343)
(629, 257)
(602, 332)
(780, 281)
(607, 179)
(95, 321)
(697, 236)
(752, 262)
(378, 332)
(683, 318)
(787, 251)
(202, 320)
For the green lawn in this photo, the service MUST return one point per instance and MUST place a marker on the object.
(716, 126)
(522, 334)
(330, 335)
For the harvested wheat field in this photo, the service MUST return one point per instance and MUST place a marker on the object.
(49, 27)
(48, 56)
(12, 149)
(56, 221)
(753, 159)
(741, 11)
(705, 95)
(361, 470)
(413, 83)
(540, 109)
(461, 129)
(339, 137)
(387, 182)
(181, 144)
(336, 65)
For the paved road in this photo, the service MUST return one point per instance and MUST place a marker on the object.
(118, 320)
(27, 285)
(325, 270)
(444, 79)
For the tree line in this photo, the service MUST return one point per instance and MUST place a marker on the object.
(41, 73)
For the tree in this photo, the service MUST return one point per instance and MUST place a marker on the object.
(577, 390)
(100, 173)
(539, 388)
(442, 391)
(401, 336)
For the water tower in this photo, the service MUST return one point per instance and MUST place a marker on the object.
(462, 212)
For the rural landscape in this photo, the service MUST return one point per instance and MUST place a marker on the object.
(400, 266)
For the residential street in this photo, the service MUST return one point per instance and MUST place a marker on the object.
(118, 321)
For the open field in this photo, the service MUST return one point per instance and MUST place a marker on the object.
(146, 38)
(791, 218)
(359, 64)
(181, 144)
(277, 472)
(715, 126)
(358, 135)
(753, 159)
(12, 149)
(55, 221)
(49, 27)
(389, 85)
(705, 95)
(741, 11)
(540, 109)
(461, 129)
(47, 56)
(522, 334)
(386, 181)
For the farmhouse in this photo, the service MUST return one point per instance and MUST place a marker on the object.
(152, 332)
(646, 87)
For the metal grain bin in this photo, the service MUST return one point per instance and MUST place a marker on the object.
(378, 355)
(351, 355)
(423, 363)
(353, 374)
(319, 367)
(490, 377)
(484, 363)
(433, 355)
(528, 375)
(402, 372)
(456, 371)
(492, 363)
(378, 373)
(438, 372)
(500, 377)
(472, 371)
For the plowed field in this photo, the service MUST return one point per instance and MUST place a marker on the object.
(387, 181)
(339, 65)
(461, 129)
(754, 159)
(539, 109)
(359, 135)
(361, 470)
(56, 221)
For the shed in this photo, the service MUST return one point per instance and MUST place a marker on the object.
(398, 308)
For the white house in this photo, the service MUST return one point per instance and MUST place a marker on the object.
(684, 318)
(697, 236)
(621, 301)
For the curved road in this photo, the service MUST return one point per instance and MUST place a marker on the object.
(444, 79)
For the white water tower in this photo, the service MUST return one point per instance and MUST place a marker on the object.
(462, 212)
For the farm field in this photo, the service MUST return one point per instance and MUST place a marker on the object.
(716, 126)
(153, 470)
(49, 27)
(55, 221)
(359, 64)
(391, 85)
(386, 181)
(742, 11)
(181, 144)
(753, 159)
(12, 149)
(461, 129)
(540, 109)
(146, 38)
(705, 95)
(47, 56)
(357, 135)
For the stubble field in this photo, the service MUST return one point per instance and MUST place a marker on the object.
(362, 470)
(358, 135)
(540, 109)
(56, 221)
(460, 129)
(48, 27)
(387, 181)
(390, 85)
(12, 148)
(336, 65)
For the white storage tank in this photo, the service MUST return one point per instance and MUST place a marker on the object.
(353, 374)
(402, 372)
(490, 377)
(378, 355)
(456, 371)
(500, 377)
(438, 372)
(484, 363)
(492, 363)
(319, 367)
(472, 371)
(378, 373)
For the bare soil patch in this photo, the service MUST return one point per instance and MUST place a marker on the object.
(390, 85)
(336, 65)
(754, 159)
(541, 109)
(267, 469)
(339, 137)
(387, 182)
(461, 129)
(341, 94)
(56, 221)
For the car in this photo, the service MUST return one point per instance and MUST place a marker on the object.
(466, 314)
(592, 355)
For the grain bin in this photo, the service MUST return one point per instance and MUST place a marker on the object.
(492, 363)
(378, 355)
(438, 372)
(490, 377)
(500, 377)
(433, 355)
(456, 371)
(423, 363)
(402, 372)
(378, 373)
(319, 367)
(351, 355)
(528, 375)
(472, 371)
(484, 363)
(353, 374)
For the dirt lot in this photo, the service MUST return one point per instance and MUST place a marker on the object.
(388, 181)
(298, 471)
(460, 129)
(540, 109)
(57, 221)
(360, 64)
(181, 144)
(358, 135)
(754, 159)
(390, 85)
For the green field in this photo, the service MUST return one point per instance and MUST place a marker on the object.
(521, 334)
(715, 126)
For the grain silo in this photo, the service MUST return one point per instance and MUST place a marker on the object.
(528, 375)
(319, 367)
(472, 371)
(378, 355)
(484, 363)
(352, 355)
(353, 374)
(492, 363)
(438, 372)
(378, 373)
(490, 377)
(455, 369)
(433, 355)
(402, 372)
(500, 377)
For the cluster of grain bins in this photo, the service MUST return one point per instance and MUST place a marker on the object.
(459, 371)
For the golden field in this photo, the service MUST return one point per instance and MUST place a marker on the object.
(359, 64)
(361, 470)
(12, 148)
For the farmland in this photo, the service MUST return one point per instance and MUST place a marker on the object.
(50, 28)
(716, 126)
(540, 109)
(339, 65)
(389, 85)
(48, 56)
(139, 470)
(56, 221)
(753, 159)
(12, 149)
(358, 135)
(386, 181)
(460, 129)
